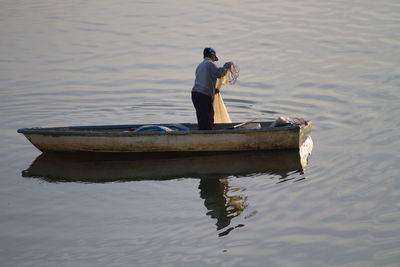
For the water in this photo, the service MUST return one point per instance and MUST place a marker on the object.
(82, 63)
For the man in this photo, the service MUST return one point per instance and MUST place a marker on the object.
(204, 90)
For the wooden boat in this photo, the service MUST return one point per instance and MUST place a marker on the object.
(179, 138)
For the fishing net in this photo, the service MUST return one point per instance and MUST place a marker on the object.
(221, 115)
(234, 72)
(230, 77)
(220, 112)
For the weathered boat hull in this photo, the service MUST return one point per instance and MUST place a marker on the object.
(123, 139)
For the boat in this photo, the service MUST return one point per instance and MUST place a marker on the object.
(184, 137)
(128, 167)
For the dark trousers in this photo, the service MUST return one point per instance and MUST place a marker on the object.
(204, 110)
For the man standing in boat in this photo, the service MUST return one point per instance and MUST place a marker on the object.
(204, 90)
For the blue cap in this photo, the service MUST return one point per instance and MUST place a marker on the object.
(208, 51)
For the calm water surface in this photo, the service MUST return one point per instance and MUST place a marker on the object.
(82, 63)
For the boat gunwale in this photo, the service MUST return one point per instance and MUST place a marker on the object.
(109, 130)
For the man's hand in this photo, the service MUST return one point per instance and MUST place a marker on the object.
(216, 91)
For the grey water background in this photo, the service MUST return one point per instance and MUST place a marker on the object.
(121, 62)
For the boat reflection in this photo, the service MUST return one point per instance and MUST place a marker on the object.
(223, 202)
(93, 168)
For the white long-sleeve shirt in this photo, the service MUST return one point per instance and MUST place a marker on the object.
(207, 74)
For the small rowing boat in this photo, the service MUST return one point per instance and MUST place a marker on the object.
(183, 137)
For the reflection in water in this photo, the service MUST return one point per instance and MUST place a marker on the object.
(222, 201)
(221, 204)
(99, 168)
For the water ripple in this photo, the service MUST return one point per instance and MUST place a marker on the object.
(334, 62)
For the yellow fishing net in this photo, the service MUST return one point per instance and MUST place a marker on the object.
(220, 112)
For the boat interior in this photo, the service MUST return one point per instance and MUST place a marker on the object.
(173, 126)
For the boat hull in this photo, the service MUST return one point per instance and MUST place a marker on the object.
(80, 139)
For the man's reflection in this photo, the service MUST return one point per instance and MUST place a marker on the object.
(220, 204)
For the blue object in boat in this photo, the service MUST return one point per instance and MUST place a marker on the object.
(161, 128)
